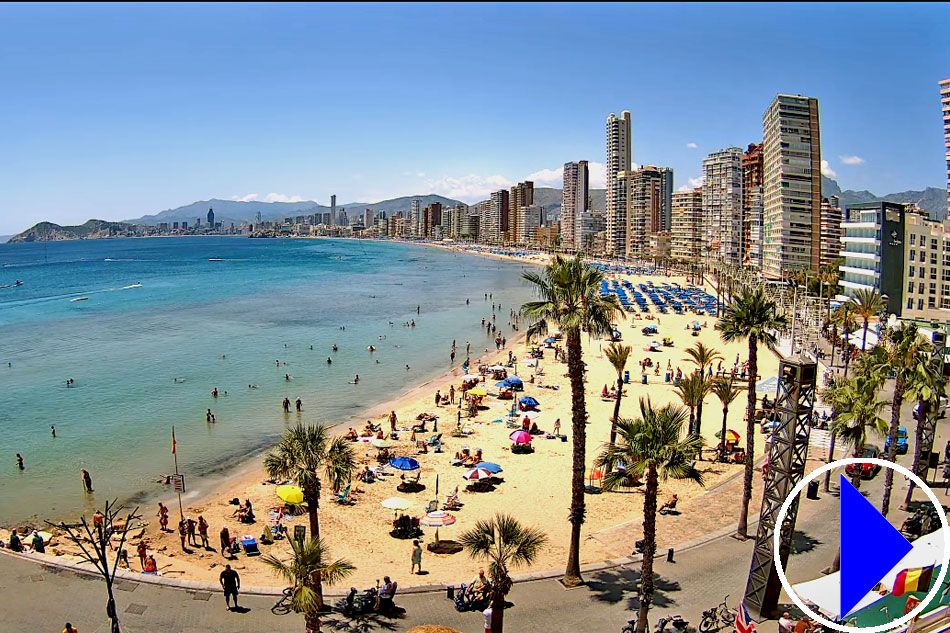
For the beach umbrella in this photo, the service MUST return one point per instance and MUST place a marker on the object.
(490, 467)
(477, 474)
(497, 368)
(290, 494)
(528, 401)
(381, 443)
(513, 380)
(437, 519)
(502, 385)
(595, 474)
(396, 503)
(520, 437)
(478, 391)
(531, 415)
(404, 463)
(471, 377)
(731, 436)
(549, 340)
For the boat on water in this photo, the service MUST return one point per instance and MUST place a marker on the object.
(215, 259)
(79, 299)
(137, 284)
(13, 285)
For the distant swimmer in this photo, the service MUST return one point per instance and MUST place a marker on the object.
(19, 461)
(377, 361)
(52, 430)
(356, 380)
(223, 356)
(178, 379)
(208, 416)
(278, 362)
(329, 361)
(214, 392)
(252, 386)
(407, 367)
(371, 349)
(287, 377)
(311, 348)
(335, 348)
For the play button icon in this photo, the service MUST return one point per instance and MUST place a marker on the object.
(870, 546)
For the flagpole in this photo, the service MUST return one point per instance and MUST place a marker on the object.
(181, 510)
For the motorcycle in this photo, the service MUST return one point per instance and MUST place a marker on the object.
(676, 623)
(357, 604)
(467, 601)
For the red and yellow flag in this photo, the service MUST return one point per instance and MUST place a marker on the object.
(174, 443)
(917, 579)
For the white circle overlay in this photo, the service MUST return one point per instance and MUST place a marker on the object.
(796, 491)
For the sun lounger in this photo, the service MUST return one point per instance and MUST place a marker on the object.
(345, 497)
(249, 545)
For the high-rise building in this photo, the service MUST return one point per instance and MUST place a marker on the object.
(619, 151)
(529, 219)
(945, 105)
(830, 230)
(926, 269)
(722, 204)
(666, 198)
(574, 201)
(792, 192)
(415, 218)
(368, 218)
(752, 200)
(522, 195)
(494, 217)
(644, 194)
(872, 250)
(332, 210)
(431, 219)
(588, 224)
(686, 239)
(470, 223)
(211, 218)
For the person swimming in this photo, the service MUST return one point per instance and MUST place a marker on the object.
(335, 348)
(356, 380)
(329, 361)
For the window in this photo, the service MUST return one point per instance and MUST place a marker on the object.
(912, 256)
(910, 287)
(920, 289)
(910, 304)
(945, 289)
(910, 271)
(913, 239)
(933, 273)
(933, 289)
(933, 244)
(933, 259)
(923, 255)
(921, 271)
(920, 304)
(931, 302)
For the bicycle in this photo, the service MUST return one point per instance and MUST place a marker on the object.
(283, 605)
(717, 618)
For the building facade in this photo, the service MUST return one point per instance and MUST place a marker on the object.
(521, 195)
(792, 186)
(619, 152)
(831, 218)
(926, 280)
(872, 252)
(644, 196)
(589, 225)
(686, 238)
(528, 222)
(752, 198)
(574, 202)
(722, 204)
(415, 218)
(945, 106)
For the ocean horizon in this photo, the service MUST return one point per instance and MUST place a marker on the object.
(166, 320)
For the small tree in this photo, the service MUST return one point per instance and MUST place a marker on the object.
(309, 567)
(95, 544)
(727, 391)
(868, 303)
(702, 357)
(618, 355)
(503, 543)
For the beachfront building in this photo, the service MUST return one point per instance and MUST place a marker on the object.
(792, 186)
(872, 251)
(493, 218)
(369, 218)
(926, 280)
(619, 152)
(470, 223)
(432, 220)
(945, 105)
(722, 205)
(686, 237)
(575, 194)
(528, 222)
(831, 217)
(644, 196)
(590, 225)
(521, 195)
(415, 218)
(752, 207)
(548, 235)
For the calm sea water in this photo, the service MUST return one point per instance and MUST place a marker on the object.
(211, 324)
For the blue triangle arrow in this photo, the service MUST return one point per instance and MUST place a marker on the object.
(870, 547)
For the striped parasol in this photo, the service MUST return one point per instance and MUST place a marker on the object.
(477, 474)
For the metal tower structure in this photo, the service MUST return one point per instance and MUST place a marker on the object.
(786, 467)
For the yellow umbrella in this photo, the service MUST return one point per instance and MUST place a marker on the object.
(478, 391)
(290, 494)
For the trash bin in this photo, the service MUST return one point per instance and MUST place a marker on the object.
(667, 376)
(626, 377)
(812, 489)
(644, 381)
(450, 592)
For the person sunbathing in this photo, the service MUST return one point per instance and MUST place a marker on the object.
(351, 435)
(670, 505)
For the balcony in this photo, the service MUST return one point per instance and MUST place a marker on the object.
(860, 225)
(854, 286)
(864, 272)
(858, 240)
(858, 255)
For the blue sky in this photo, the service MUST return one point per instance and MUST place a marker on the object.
(114, 111)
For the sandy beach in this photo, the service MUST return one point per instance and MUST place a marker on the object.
(535, 487)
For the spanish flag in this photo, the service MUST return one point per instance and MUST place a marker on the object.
(174, 443)
(917, 579)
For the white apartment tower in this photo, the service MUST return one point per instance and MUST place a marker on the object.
(791, 223)
(945, 106)
(619, 149)
(415, 219)
(686, 240)
(722, 204)
(574, 202)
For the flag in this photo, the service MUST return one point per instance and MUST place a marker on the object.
(916, 579)
(744, 623)
(174, 443)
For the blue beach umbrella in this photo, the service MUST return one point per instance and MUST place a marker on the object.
(502, 384)
(514, 381)
(404, 463)
(528, 401)
(490, 467)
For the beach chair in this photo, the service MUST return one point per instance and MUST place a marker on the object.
(434, 440)
(433, 506)
(344, 498)
(249, 545)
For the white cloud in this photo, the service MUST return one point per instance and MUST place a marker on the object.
(826, 170)
(692, 145)
(683, 188)
(248, 198)
(852, 160)
(417, 174)
(596, 172)
(271, 197)
(469, 188)
(695, 182)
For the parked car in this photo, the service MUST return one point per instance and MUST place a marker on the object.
(867, 470)
(901, 441)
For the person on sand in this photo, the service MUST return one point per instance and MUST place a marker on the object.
(37, 543)
(69, 628)
(452, 394)
(225, 542)
(86, 480)
(557, 426)
(352, 435)
(142, 550)
(416, 557)
(182, 533)
(392, 421)
(203, 531)
(151, 567)
(98, 520)
(190, 525)
(163, 516)
(438, 397)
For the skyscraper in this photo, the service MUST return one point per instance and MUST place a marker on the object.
(368, 218)
(415, 219)
(792, 174)
(752, 179)
(574, 197)
(522, 195)
(830, 230)
(945, 105)
(332, 210)
(722, 204)
(686, 239)
(666, 198)
(211, 218)
(618, 161)
(493, 214)
(644, 197)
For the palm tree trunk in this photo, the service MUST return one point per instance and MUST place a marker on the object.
(699, 421)
(834, 339)
(892, 436)
(313, 513)
(922, 411)
(497, 611)
(722, 436)
(743, 527)
(864, 340)
(831, 457)
(613, 422)
(312, 620)
(575, 370)
(846, 347)
(856, 476)
(649, 543)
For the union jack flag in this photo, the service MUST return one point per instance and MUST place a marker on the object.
(744, 623)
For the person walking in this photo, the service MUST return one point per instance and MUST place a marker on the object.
(163, 516)
(231, 583)
(225, 542)
(203, 531)
(86, 480)
(142, 550)
(182, 533)
(416, 557)
(69, 628)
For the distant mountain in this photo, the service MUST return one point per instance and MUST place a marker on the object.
(396, 204)
(49, 232)
(550, 199)
(932, 199)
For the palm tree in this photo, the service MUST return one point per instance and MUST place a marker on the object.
(702, 357)
(570, 297)
(692, 390)
(927, 385)
(618, 355)
(755, 318)
(301, 456)
(502, 542)
(305, 571)
(868, 302)
(857, 412)
(651, 446)
(901, 350)
(844, 316)
(727, 391)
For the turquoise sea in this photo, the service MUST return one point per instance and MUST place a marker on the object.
(212, 312)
